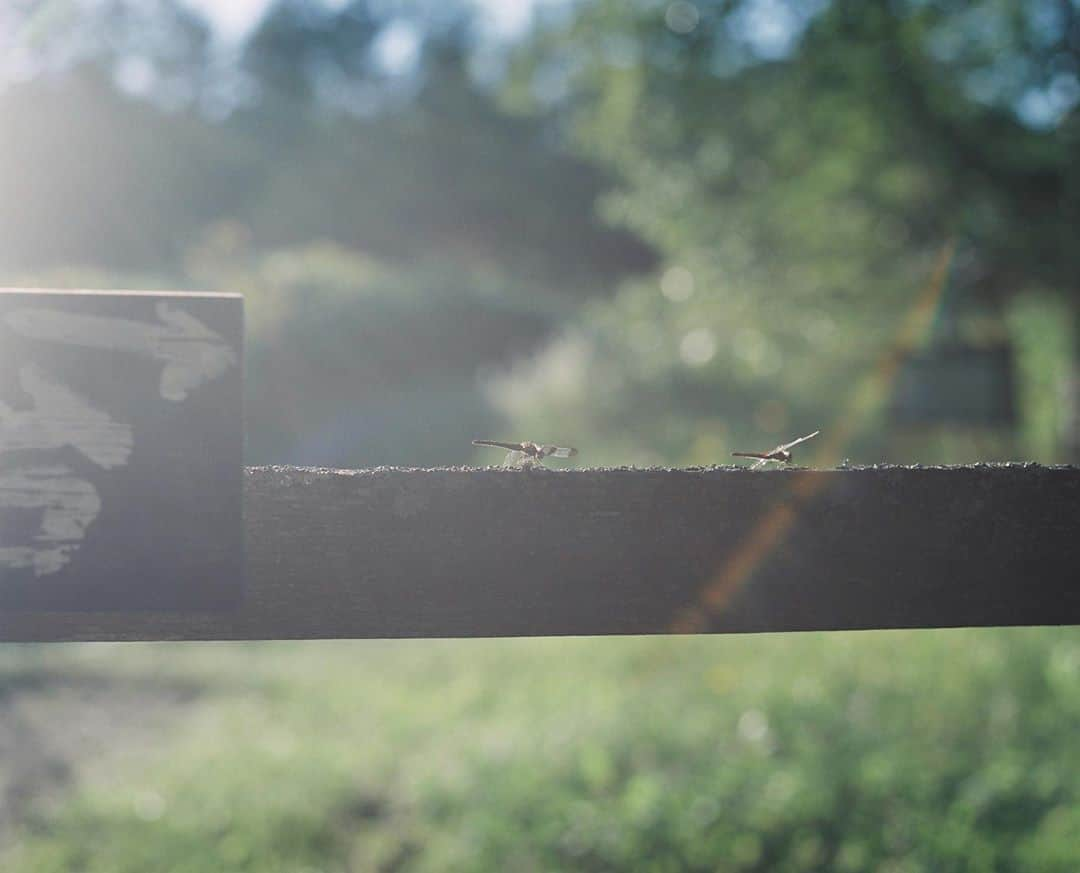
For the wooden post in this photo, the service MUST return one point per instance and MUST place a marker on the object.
(120, 451)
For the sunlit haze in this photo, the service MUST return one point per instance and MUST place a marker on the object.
(235, 19)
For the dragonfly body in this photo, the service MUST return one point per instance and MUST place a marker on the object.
(781, 454)
(522, 453)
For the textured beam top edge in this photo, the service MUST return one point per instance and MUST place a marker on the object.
(1012, 466)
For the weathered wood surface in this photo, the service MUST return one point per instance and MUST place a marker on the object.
(450, 553)
(121, 446)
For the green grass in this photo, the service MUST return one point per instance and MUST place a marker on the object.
(898, 751)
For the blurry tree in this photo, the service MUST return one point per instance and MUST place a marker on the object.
(438, 168)
(353, 361)
(800, 166)
(89, 176)
(302, 132)
(426, 235)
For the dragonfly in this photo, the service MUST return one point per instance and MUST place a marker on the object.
(522, 454)
(781, 454)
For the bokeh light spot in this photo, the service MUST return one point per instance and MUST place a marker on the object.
(682, 17)
(698, 347)
(677, 284)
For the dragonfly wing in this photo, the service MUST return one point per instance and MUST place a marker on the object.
(559, 451)
(514, 459)
(793, 443)
(759, 463)
(498, 444)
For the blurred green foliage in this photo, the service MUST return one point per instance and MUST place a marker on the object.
(796, 168)
(799, 167)
(353, 361)
(395, 237)
(797, 753)
(119, 159)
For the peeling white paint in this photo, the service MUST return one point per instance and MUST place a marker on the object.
(192, 353)
(68, 503)
(61, 417)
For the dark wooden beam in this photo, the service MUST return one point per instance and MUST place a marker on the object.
(456, 553)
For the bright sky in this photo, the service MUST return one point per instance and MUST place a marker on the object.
(234, 19)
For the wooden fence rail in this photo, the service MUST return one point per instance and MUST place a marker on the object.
(466, 552)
